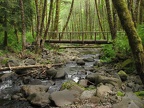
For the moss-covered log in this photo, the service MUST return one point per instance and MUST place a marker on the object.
(134, 40)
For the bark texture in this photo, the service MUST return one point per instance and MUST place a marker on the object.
(134, 40)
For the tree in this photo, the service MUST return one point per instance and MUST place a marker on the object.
(99, 19)
(48, 23)
(134, 40)
(111, 20)
(56, 22)
(68, 18)
(23, 25)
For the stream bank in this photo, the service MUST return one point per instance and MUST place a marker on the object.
(82, 82)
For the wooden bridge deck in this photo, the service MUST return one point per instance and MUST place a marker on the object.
(85, 37)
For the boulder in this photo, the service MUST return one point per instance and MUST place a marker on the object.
(12, 62)
(65, 97)
(80, 62)
(71, 85)
(130, 100)
(33, 89)
(83, 82)
(123, 75)
(91, 59)
(60, 73)
(30, 62)
(51, 73)
(87, 94)
(8, 76)
(99, 78)
(103, 91)
(40, 99)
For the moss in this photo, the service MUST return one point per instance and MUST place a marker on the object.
(122, 73)
(4, 61)
(67, 85)
(119, 93)
(140, 93)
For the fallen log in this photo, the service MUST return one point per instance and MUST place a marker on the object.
(29, 66)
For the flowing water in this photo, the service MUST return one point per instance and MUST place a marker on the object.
(74, 72)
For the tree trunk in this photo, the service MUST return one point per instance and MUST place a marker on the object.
(5, 41)
(23, 25)
(48, 23)
(99, 19)
(136, 11)
(110, 20)
(134, 40)
(56, 22)
(70, 12)
(43, 18)
(38, 37)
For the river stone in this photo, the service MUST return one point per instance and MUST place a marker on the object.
(71, 85)
(129, 101)
(8, 76)
(12, 62)
(60, 73)
(123, 75)
(65, 97)
(31, 89)
(91, 59)
(30, 62)
(87, 94)
(40, 99)
(98, 78)
(103, 91)
(51, 73)
(80, 62)
(83, 82)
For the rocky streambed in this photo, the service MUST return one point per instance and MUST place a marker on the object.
(83, 81)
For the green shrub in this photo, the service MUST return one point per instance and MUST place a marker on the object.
(108, 53)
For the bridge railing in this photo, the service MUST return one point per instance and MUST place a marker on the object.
(82, 36)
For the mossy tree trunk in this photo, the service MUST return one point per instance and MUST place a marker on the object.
(134, 40)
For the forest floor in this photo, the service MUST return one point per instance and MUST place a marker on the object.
(95, 84)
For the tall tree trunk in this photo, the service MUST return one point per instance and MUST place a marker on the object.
(56, 22)
(70, 12)
(23, 25)
(136, 11)
(48, 23)
(43, 18)
(38, 37)
(5, 41)
(99, 20)
(134, 40)
(110, 19)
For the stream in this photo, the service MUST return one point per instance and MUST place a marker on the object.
(74, 72)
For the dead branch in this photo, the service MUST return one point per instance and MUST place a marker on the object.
(29, 66)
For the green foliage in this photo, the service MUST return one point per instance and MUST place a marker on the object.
(108, 53)
(140, 30)
(140, 93)
(122, 45)
(119, 93)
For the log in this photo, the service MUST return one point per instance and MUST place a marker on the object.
(29, 66)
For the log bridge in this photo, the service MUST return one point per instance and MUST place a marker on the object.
(81, 37)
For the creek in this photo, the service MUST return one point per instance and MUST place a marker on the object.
(72, 69)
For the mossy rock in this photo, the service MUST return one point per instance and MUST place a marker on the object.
(119, 93)
(123, 75)
(71, 85)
